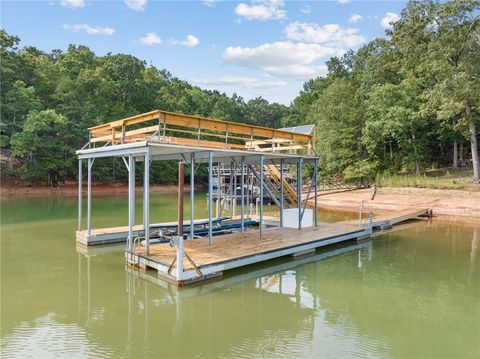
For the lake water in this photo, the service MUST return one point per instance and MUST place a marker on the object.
(413, 292)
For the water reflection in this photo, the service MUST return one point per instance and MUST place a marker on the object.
(411, 292)
(231, 317)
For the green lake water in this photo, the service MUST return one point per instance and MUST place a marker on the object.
(413, 292)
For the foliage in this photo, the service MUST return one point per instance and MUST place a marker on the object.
(398, 104)
(50, 99)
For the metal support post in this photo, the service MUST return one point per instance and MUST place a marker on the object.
(146, 202)
(315, 201)
(210, 197)
(261, 194)
(281, 193)
(89, 195)
(192, 195)
(299, 192)
(80, 194)
(218, 203)
(131, 199)
(242, 193)
(180, 223)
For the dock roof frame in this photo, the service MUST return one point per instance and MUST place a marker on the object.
(165, 152)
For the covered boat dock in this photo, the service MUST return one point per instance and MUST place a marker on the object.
(257, 153)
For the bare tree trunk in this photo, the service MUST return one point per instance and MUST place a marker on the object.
(417, 163)
(460, 153)
(390, 147)
(455, 154)
(473, 143)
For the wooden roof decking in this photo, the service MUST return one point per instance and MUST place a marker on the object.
(175, 128)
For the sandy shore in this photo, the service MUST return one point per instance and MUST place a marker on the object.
(446, 204)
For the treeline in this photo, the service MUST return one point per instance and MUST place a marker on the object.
(404, 102)
(50, 99)
(399, 104)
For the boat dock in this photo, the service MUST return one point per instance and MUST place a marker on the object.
(259, 162)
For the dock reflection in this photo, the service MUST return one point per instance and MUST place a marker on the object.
(241, 303)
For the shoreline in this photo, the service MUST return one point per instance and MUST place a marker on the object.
(69, 189)
(448, 205)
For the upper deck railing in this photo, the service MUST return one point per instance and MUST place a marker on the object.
(175, 128)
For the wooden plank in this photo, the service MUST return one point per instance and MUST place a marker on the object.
(237, 245)
(391, 218)
(190, 121)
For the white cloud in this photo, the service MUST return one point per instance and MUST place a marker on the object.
(90, 30)
(150, 39)
(306, 9)
(210, 3)
(332, 35)
(72, 4)
(239, 81)
(354, 18)
(344, 1)
(282, 59)
(390, 17)
(190, 41)
(136, 5)
(262, 10)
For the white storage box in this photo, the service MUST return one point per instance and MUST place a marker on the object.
(290, 218)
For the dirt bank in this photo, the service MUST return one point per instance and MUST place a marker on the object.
(71, 189)
(446, 204)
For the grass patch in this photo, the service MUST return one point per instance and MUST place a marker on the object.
(437, 179)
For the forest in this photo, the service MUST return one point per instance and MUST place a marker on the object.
(402, 103)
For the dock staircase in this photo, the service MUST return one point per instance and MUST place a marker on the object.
(275, 178)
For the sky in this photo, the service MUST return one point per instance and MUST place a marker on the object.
(253, 48)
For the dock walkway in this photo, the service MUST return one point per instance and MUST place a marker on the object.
(387, 220)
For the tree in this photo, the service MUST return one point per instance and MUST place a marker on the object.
(40, 146)
(439, 43)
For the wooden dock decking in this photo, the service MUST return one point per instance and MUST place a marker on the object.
(202, 261)
(119, 234)
(387, 220)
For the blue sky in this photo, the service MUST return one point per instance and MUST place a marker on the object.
(255, 48)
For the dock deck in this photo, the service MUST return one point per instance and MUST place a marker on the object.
(387, 220)
(119, 234)
(202, 261)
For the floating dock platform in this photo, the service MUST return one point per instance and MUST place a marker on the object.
(202, 261)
